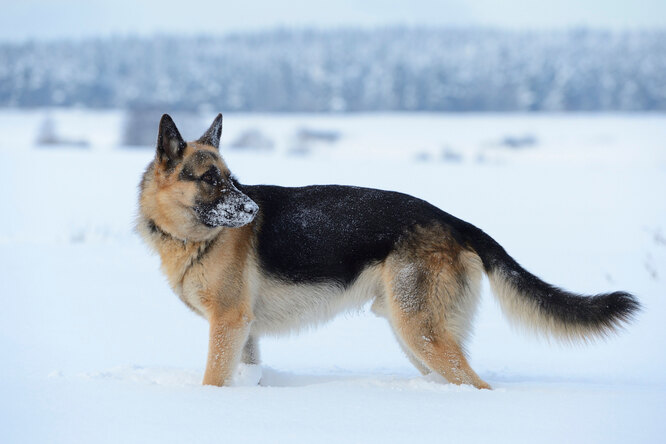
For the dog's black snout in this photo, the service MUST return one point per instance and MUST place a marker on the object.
(249, 207)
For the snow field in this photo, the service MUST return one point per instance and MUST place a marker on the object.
(96, 348)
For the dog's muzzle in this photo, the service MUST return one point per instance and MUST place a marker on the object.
(234, 210)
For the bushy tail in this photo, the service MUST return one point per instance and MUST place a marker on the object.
(544, 308)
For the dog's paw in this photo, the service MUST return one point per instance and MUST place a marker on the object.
(247, 375)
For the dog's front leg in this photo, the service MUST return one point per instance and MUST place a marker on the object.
(228, 333)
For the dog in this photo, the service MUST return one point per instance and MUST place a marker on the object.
(258, 259)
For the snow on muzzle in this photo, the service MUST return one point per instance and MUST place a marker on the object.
(235, 209)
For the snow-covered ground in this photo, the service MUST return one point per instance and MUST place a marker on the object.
(94, 347)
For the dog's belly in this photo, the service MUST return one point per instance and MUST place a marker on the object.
(282, 307)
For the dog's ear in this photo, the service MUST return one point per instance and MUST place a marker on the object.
(170, 144)
(212, 135)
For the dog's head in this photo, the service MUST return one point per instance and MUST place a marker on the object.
(188, 191)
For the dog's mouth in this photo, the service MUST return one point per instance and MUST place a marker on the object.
(235, 210)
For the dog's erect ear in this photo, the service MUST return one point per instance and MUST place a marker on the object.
(212, 135)
(170, 144)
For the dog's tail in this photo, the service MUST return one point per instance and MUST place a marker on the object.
(541, 307)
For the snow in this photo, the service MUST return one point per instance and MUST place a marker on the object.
(96, 348)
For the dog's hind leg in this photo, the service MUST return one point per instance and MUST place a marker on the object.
(442, 354)
(431, 295)
(416, 362)
(250, 353)
(379, 307)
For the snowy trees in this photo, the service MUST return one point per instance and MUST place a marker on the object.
(346, 70)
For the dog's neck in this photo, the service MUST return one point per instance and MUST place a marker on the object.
(156, 230)
(149, 228)
(177, 255)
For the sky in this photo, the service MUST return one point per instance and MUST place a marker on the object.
(52, 19)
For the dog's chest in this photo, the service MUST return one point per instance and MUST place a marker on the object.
(192, 293)
(214, 281)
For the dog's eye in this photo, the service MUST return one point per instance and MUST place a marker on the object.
(210, 178)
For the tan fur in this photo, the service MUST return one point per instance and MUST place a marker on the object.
(432, 288)
(165, 199)
(229, 329)
(434, 272)
(215, 286)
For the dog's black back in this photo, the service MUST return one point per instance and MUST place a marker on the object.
(331, 232)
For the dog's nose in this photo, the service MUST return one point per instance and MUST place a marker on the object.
(250, 208)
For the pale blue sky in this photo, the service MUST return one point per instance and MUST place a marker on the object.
(25, 19)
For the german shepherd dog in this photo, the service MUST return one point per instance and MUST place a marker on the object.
(259, 259)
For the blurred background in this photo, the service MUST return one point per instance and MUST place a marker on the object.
(201, 57)
(131, 62)
(541, 122)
